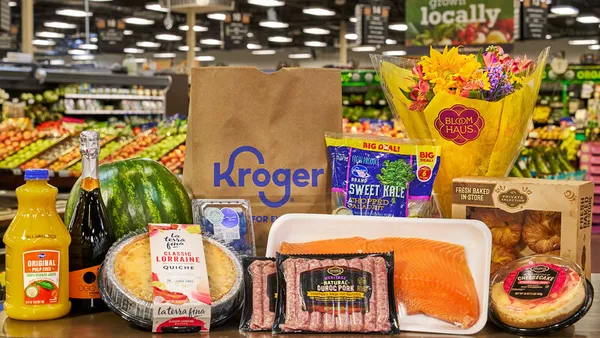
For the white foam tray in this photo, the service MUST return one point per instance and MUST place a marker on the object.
(473, 235)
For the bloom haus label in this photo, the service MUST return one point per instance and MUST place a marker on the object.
(179, 279)
(459, 124)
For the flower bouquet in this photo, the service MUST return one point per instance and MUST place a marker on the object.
(476, 107)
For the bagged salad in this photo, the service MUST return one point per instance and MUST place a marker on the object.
(381, 176)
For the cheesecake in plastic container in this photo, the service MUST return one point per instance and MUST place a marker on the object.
(538, 295)
(125, 279)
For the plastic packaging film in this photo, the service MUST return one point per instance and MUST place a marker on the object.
(477, 137)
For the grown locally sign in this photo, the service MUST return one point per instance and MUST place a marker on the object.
(459, 22)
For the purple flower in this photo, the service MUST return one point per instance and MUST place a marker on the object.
(500, 85)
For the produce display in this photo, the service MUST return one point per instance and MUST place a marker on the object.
(133, 148)
(162, 148)
(105, 151)
(57, 153)
(28, 152)
(13, 141)
(121, 181)
(174, 159)
(539, 294)
(542, 160)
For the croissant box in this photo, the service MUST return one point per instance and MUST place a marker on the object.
(529, 216)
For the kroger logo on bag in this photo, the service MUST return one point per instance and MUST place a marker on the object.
(262, 177)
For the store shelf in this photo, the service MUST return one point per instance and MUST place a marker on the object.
(49, 75)
(113, 97)
(114, 112)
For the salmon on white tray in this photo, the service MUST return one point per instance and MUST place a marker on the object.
(441, 266)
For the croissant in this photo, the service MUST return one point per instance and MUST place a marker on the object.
(541, 231)
(501, 256)
(505, 227)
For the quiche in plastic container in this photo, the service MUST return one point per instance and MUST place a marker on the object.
(538, 295)
(125, 280)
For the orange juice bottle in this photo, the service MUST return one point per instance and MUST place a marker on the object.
(37, 254)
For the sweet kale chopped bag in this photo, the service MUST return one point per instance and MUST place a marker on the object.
(380, 176)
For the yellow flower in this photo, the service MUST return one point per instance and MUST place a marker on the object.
(444, 69)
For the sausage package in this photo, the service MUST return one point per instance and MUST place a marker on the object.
(260, 294)
(381, 176)
(351, 293)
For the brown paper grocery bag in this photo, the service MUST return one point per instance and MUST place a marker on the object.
(260, 137)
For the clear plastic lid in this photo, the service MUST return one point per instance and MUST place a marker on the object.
(539, 294)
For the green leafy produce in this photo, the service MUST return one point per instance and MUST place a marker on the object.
(396, 173)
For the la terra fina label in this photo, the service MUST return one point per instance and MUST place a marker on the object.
(181, 294)
(459, 124)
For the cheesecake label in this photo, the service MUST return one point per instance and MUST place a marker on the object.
(535, 281)
(181, 294)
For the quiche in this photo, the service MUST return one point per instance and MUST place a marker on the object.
(126, 283)
(134, 271)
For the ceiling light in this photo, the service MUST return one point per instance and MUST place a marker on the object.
(315, 44)
(351, 36)
(14, 4)
(57, 62)
(564, 10)
(548, 37)
(250, 35)
(139, 21)
(300, 56)
(316, 31)
(84, 57)
(217, 16)
(211, 42)
(88, 46)
(127, 32)
(186, 48)
(39, 42)
(594, 47)
(50, 35)
(583, 42)
(364, 49)
(264, 52)
(76, 52)
(156, 7)
(133, 50)
(266, 3)
(390, 42)
(168, 37)
(353, 20)
(588, 19)
(401, 27)
(273, 24)
(318, 11)
(165, 55)
(147, 44)
(196, 28)
(60, 25)
(140, 60)
(280, 39)
(73, 12)
(394, 53)
(253, 46)
(204, 58)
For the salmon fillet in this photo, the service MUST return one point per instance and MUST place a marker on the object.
(328, 246)
(430, 277)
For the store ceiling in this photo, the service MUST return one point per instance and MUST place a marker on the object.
(291, 13)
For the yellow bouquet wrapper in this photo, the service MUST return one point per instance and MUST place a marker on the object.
(477, 137)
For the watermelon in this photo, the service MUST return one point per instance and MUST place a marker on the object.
(137, 192)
